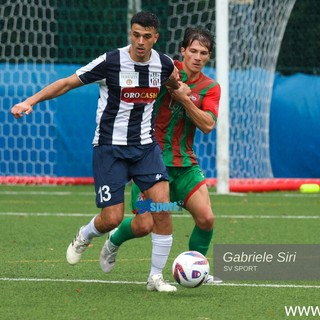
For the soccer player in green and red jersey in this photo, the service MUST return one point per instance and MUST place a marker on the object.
(178, 115)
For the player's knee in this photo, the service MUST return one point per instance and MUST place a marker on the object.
(142, 224)
(161, 217)
(145, 229)
(205, 221)
(210, 221)
(162, 223)
(110, 221)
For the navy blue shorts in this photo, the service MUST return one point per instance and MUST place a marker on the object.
(115, 166)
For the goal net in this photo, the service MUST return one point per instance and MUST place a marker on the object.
(41, 38)
(42, 41)
(256, 29)
(26, 64)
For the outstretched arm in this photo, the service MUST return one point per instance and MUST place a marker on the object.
(51, 91)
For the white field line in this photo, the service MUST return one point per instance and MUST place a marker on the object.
(128, 193)
(75, 214)
(143, 283)
(265, 217)
(48, 193)
(71, 280)
(45, 193)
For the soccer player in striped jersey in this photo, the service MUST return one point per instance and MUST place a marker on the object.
(178, 114)
(125, 147)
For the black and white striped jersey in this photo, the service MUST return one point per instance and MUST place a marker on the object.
(128, 90)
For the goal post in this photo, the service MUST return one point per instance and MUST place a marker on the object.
(222, 67)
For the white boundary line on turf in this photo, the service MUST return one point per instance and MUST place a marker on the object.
(223, 216)
(139, 283)
(72, 280)
(270, 285)
(50, 193)
(211, 193)
(46, 193)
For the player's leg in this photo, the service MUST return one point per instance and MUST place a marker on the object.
(150, 175)
(144, 168)
(156, 189)
(133, 227)
(160, 244)
(189, 183)
(161, 238)
(129, 228)
(199, 206)
(108, 219)
(109, 197)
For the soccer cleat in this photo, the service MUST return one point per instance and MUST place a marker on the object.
(76, 248)
(156, 283)
(213, 280)
(108, 256)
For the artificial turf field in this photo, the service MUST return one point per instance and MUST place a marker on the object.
(37, 224)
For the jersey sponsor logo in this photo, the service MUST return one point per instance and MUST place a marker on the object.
(129, 79)
(139, 95)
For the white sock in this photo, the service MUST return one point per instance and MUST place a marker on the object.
(161, 246)
(89, 231)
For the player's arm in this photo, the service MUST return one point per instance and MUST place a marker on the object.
(201, 118)
(51, 91)
(173, 81)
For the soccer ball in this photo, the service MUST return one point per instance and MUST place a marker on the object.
(190, 269)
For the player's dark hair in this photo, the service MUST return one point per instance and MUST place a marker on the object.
(146, 19)
(204, 36)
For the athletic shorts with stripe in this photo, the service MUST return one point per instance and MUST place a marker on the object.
(183, 182)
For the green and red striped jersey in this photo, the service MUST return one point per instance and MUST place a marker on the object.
(174, 130)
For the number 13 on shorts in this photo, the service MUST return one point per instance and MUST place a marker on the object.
(104, 194)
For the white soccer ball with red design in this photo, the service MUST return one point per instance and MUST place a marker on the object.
(190, 269)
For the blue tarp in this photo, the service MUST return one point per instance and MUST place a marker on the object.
(294, 127)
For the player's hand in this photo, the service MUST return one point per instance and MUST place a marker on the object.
(182, 93)
(20, 108)
(175, 74)
(174, 79)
